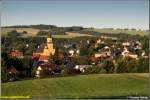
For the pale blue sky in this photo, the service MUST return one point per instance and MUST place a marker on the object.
(87, 13)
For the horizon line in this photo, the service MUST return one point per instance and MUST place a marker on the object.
(76, 26)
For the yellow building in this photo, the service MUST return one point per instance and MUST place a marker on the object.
(48, 49)
(44, 51)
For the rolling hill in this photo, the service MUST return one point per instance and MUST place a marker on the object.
(34, 31)
(81, 86)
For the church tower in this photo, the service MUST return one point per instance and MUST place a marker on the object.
(49, 49)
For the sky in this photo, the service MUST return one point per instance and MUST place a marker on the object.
(86, 13)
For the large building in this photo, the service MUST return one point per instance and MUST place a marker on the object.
(45, 50)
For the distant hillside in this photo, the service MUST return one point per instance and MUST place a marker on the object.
(113, 31)
(32, 30)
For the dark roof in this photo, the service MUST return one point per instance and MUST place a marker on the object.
(70, 65)
(40, 49)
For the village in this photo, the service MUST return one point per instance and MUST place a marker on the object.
(101, 55)
(75, 49)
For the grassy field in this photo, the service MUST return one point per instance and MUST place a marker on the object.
(132, 32)
(81, 86)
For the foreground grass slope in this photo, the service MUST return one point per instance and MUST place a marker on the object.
(82, 86)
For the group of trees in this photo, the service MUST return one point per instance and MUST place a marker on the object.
(23, 66)
(14, 33)
(129, 65)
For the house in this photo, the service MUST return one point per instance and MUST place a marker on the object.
(67, 45)
(51, 69)
(44, 51)
(126, 53)
(88, 41)
(98, 41)
(103, 53)
(82, 67)
(126, 44)
(106, 48)
(37, 74)
(27, 45)
(16, 53)
(11, 70)
(144, 54)
(71, 52)
(137, 45)
(70, 65)
(117, 52)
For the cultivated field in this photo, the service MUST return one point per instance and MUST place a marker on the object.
(81, 86)
(70, 35)
(132, 32)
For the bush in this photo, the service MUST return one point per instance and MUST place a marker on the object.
(14, 33)
(41, 33)
(94, 70)
(5, 77)
(143, 65)
(44, 73)
(69, 71)
(133, 66)
(121, 67)
(108, 66)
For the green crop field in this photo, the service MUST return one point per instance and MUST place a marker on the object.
(131, 32)
(81, 86)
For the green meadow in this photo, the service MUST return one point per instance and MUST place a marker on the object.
(80, 86)
(131, 32)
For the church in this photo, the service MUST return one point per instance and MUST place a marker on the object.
(44, 50)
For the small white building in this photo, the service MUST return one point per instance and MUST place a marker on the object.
(82, 67)
(77, 51)
(98, 41)
(126, 44)
(71, 52)
(88, 42)
(37, 74)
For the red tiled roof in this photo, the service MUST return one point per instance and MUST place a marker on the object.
(16, 53)
(12, 70)
(43, 57)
